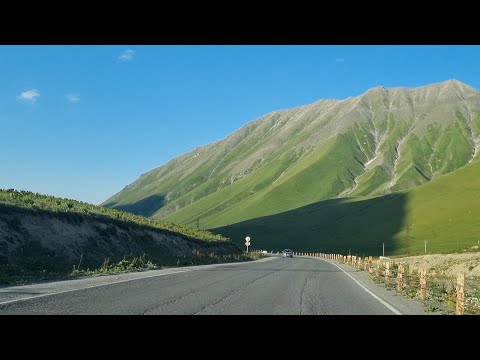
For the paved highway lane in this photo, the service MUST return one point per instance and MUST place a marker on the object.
(298, 286)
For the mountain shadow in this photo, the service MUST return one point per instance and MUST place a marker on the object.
(144, 207)
(358, 227)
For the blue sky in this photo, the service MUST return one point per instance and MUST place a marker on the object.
(84, 121)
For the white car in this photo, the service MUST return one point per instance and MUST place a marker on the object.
(287, 253)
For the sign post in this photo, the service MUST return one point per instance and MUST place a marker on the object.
(247, 242)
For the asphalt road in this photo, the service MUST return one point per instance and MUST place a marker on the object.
(298, 286)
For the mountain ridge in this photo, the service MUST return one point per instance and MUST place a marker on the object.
(382, 141)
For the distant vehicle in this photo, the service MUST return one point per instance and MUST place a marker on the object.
(287, 253)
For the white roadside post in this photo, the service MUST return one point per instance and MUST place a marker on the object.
(247, 242)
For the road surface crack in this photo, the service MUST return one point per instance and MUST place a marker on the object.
(233, 292)
(301, 297)
(177, 299)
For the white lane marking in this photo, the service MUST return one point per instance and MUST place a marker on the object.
(390, 307)
(200, 267)
(90, 287)
(208, 266)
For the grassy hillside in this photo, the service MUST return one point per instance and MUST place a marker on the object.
(44, 236)
(304, 182)
(445, 212)
(384, 141)
(66, 208)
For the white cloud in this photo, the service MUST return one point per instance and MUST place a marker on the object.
(73, 98)
(29, 95)
(339, 60)
(127, 55)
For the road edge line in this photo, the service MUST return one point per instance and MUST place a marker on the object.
(383, 302)
(88, 287)
(172, 272)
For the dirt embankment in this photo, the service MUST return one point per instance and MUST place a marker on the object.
(446, 264)
(34, 240)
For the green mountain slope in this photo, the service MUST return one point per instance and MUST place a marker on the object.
(384, 141)
(444, 212)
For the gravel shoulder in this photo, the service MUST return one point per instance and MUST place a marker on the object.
(445, 264)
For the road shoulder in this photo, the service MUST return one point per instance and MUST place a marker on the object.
(404, 305)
